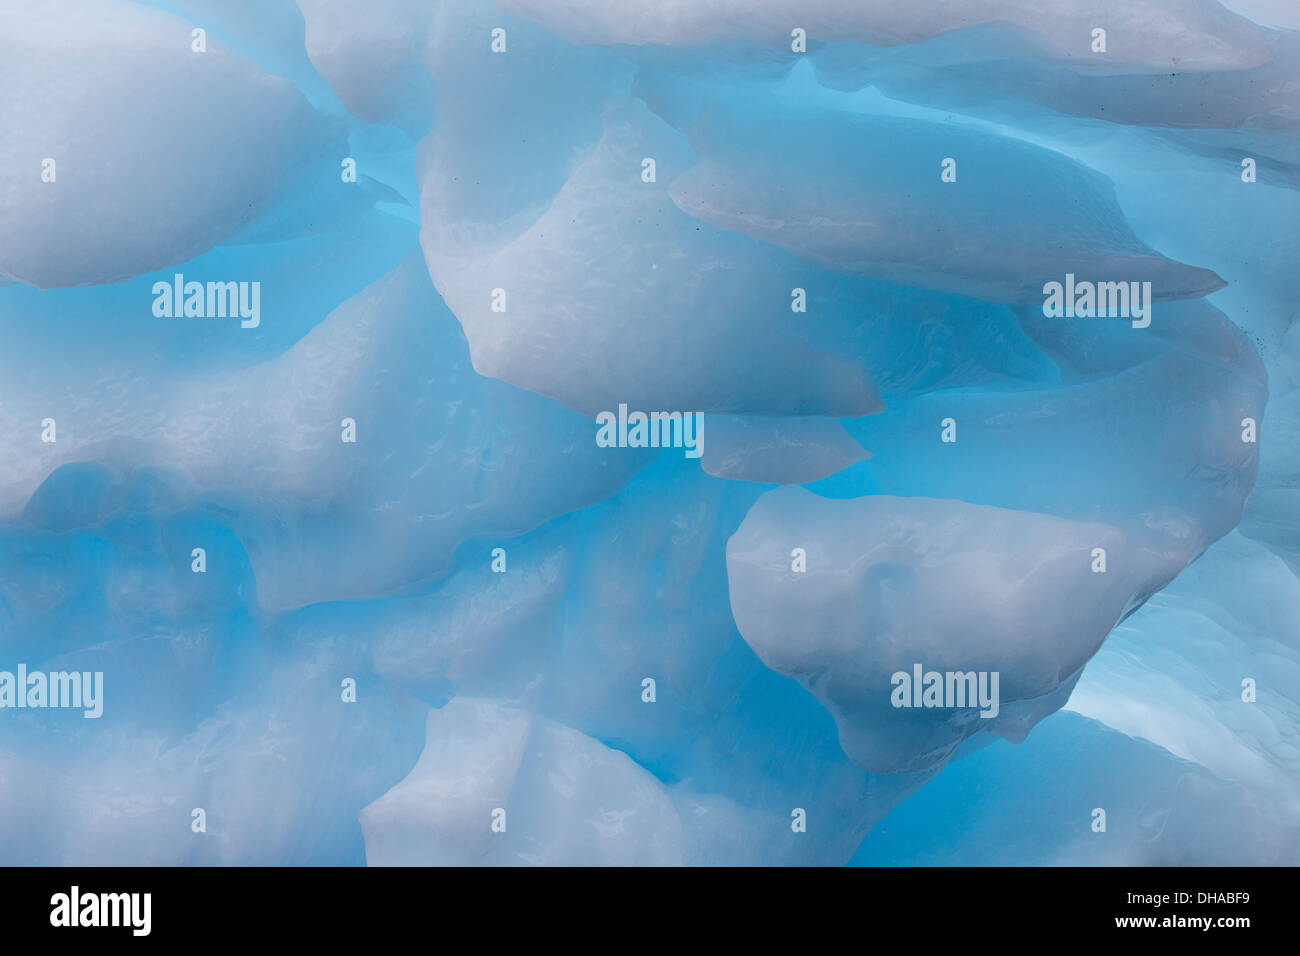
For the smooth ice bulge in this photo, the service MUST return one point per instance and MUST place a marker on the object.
(482, 757)
(842, 595)
(863, 195)
(1151, 34)
(141, 151)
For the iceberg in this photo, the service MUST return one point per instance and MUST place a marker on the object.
(347, 355)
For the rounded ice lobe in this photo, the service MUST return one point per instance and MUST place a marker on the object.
(614, 295)
(125, 149)
(863, 195)
(1264, 98)
(497, 785)
(1141, 34)
(372, 60)
(886, 585)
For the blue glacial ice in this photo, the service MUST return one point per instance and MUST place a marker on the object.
(475, 635)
